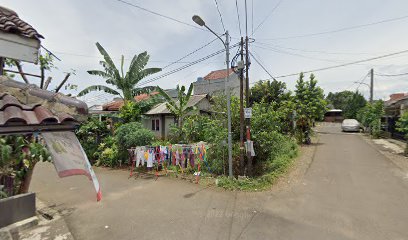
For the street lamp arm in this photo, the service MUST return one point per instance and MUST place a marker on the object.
(209, 29)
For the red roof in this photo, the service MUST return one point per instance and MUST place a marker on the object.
(14, 114)
(218, 74)
(397, 96)
(11, 23)
(117, 104)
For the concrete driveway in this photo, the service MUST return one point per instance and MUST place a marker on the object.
(349, 191)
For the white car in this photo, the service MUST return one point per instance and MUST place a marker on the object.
(350, 125)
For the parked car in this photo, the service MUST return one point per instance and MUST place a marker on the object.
(350, 125)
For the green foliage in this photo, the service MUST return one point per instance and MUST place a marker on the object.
(310, 104)
(19, 155)
(132, 135)
(46, 61)
(348, 101)
(130, 112)
(402, 126)
(180, 107)
(125, 83)
(269, 92)
(370, 117)
(109, 157)
(90, 135)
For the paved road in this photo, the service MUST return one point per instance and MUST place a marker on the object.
(350, 191)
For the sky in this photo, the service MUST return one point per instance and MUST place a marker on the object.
(283, 33)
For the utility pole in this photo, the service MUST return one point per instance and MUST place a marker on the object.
(248, 120)
(372, 85)
(241, 108)
(227, 89)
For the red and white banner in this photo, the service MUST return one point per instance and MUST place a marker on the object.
(69, 158)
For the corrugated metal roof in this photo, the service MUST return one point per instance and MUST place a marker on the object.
(162, 109)
(11, 23)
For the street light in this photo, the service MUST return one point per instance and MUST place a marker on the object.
(200, 22)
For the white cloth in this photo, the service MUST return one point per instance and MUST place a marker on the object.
(150, 158)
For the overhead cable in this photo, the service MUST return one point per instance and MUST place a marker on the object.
(219, 13)
(184, 67)
(344, 64)
(239, 20)
(161, 15)
(338, 30)
(260, 64)
(267, 16)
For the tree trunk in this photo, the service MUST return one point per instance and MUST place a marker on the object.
(25, 182)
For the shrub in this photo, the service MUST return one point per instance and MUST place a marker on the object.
(90, 135)
(132, 135)
(109, 157)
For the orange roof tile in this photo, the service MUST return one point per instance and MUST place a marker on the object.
(218, 74)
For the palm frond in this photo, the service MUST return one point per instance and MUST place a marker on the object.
(98, 88)
(189, 109)
(164, 94)
(142, 74)
(99, 73)
(148, 89)
(108, 60)
(189, 93)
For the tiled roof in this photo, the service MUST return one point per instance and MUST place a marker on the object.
(218, 74)
(11, 23)
(117, 104)
(162, 108)
(16, 115)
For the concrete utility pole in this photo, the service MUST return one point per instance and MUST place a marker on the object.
(248, 120)
(200, 22)
(372, 85)
(241, 108)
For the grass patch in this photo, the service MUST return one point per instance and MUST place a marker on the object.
(275, 168)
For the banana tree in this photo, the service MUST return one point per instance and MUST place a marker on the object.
(124, 85)
(180, 107)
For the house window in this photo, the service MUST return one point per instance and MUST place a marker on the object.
(155, 125)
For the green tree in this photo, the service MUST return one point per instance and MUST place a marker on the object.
(126, 84)
(370, 117)
(348, 101)
(402, 126)
(180, 107)
(270, 92)
(310, 103)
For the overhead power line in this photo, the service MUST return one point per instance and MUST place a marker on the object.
(189, 54)
(342, 65)
(239, 20)
(267, 16)
(339, 30)
(160, 15)
(391, 75)
(222, 22)
(185, 66)
(260, 64)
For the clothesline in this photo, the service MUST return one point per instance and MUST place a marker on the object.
(179, 155)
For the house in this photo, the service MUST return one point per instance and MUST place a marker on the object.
(159, 119)
(214, 83)
(18, 39)
(394, 108)
(117, 103)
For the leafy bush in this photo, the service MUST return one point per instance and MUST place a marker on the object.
(90, 135)
(370, 117)
(130, 112)
(131, 135)
(109, 157)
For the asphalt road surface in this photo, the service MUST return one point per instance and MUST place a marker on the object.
(350, 191)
